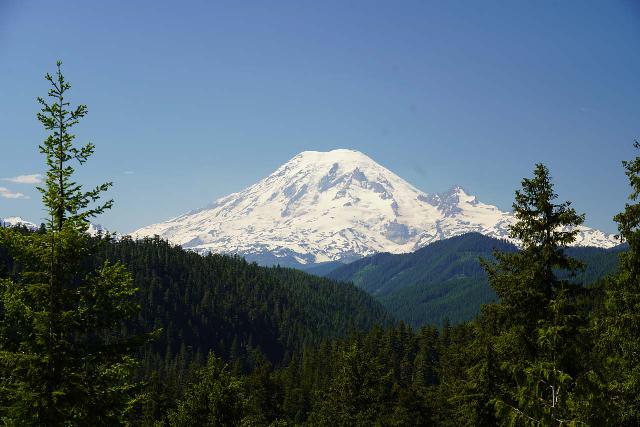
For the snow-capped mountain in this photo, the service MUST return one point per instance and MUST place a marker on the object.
(95, 229)
(14, 221)
(336, 205)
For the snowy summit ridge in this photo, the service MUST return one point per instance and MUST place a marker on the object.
(16, 221)
(336, 205)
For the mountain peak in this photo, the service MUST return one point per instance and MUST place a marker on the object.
(458, 190)
(14, 218)
(14, 221)
(334, 205)
(341, 156)
(335, 153)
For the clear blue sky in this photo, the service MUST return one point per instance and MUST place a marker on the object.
(192, 100)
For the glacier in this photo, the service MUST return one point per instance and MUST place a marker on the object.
(338, 205)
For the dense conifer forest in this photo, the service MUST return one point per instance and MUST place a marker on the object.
(446, 281)
(226, 305)
(223, 305)
(288, 348)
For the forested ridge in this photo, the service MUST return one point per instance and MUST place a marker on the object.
(446, 280)
(224, 304)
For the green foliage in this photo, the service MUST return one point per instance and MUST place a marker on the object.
(455, 257)
(537, 337)
(358, 393)
(240, 311)
(217, 399)
(445, 280)
(618, 322)
(391, 377)
(223, 304)
(64, 359)
(64, 199)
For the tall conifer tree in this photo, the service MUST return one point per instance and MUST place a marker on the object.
(537, 321)
(618, 326)
(64, 356)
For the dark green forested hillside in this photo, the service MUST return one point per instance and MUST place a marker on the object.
(236, 310)
(598, 262)
(384, 273)
(227, 305)
(445, 279)
(224, 304)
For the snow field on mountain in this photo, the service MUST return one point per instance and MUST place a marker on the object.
(336, 205)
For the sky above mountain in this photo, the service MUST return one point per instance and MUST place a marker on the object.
(190, 101)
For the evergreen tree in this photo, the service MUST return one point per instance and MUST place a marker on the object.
(473, 394)
(618, 325)
(537, 322)
(64, 357)
(359, 394)
(217, 399)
